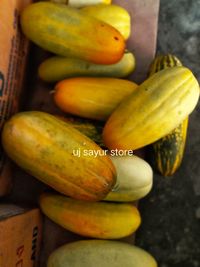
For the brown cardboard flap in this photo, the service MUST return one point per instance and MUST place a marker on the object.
(20, 237)
(14, 50)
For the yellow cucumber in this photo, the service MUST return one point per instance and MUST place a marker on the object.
(90, 97)
(92, 219)
(158, 106)
(114, 15)
(68, 32)
(56, 153)
(58, 68)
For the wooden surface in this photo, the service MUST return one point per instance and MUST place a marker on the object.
(142, 43)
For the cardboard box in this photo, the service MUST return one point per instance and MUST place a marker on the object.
(14, 50)
(20, 236)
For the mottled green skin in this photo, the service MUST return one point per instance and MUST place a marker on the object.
(166, 154)
(92, 129)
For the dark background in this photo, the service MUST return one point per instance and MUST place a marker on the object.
(171, 213)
